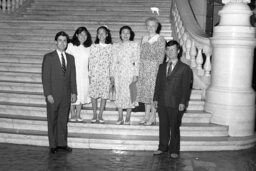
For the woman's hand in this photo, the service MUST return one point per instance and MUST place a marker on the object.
(134, 79)
(112, 80)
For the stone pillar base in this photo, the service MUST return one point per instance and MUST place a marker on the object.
(235, 109)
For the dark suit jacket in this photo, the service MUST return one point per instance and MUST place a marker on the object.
(175, 89)
(55, 82)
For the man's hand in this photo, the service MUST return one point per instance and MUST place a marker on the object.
(155, 103)
(50, 99)
(73, 98)
(181, 107)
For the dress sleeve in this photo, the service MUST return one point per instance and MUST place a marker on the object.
(160, 50)
(91, 60)
(113, 60)
(70, 49)
(136, 59)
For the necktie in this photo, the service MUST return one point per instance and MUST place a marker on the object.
(169, 68)
(63, 64)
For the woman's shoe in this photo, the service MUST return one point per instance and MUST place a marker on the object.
(143, 121)
(72, 119)
(101, 121)
(127, 123)
(79, 120)
(120, 122)
(93, 120)
(150, 123)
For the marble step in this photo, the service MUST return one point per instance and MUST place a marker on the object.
(38, 99)
(117, 142)
(36, 88)
(11, 50)
(18, 67)
(117, 1)
(21, 77)
(96, 11)
(21, 59)
(109, 128)
(104, 4)
(12, 109)
(26, 88)
(69, 25)
(50, 32)
(90, 18)
(34, 38)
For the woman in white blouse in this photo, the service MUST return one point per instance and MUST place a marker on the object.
(79, 47)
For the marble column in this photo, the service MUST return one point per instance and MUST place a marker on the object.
(230, 97)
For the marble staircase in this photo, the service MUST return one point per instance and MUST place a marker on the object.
(27, 37)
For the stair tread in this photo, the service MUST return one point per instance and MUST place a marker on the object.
(41, 108)
(211, 140)
(111, 124)
(102, 137)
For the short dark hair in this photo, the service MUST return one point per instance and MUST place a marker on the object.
(108, 38)
(179, 48)
(61, 33)
(75, 40)
(132, 34)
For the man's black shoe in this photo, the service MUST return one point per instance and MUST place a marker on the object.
(174, 156)
(53, 150)
(65, 148)
(158, 152)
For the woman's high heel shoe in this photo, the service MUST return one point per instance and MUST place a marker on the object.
(143, 121)
(127, 123)
(150, 123)
(120, 122)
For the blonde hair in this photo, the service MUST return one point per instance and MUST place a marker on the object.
(152, 19)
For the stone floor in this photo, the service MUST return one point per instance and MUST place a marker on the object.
(32, 158)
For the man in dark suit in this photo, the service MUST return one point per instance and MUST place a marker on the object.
(59, 85)
(172, 92)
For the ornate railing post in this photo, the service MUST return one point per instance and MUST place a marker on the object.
(230, 97)
(194, 41)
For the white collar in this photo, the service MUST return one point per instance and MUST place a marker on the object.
(103, 44)
(150, 40)
(64, 54)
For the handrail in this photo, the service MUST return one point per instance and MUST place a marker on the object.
(196, 44)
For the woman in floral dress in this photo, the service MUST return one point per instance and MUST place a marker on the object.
(80, 49)
(151, 56)
(125, 70)
(99, 71)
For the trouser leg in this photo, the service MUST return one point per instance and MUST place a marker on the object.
(175, 122)
(52, 123)
(62, 130)
(164, 129)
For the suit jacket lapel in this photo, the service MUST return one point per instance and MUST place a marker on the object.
(57, 61)
(68, 62)
(174, 70)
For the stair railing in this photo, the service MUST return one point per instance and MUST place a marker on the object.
(195, 43)
(9, 6)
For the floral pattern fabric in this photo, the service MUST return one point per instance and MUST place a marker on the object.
(151, 56)
(99, 70)
(124, 66)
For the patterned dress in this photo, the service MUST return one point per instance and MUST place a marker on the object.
(151, 56)
(99, 70)
(124, 66)
(81, 55)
